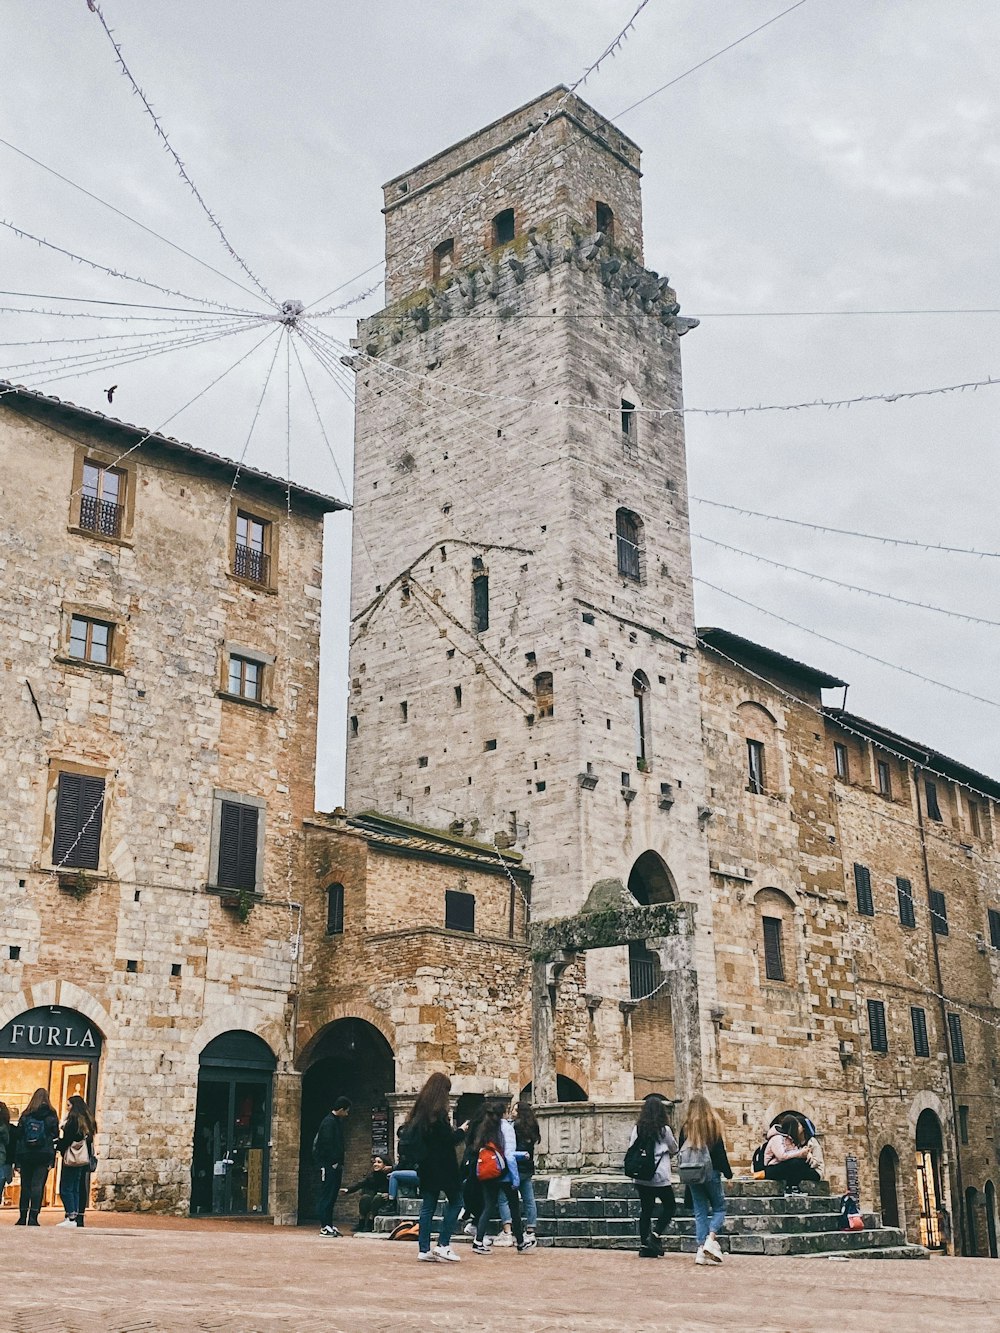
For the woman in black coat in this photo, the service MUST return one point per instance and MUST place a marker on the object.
(431, 1139)
(35, 1154)
(77, 1142)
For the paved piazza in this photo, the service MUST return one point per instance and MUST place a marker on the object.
(125, 1276)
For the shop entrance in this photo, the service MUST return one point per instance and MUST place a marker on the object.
(929, 1193)
(232, 1126)
(52, 1048)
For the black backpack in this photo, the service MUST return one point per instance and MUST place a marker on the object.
(642, 1159)
(33, 1136)
(411, 1146)
(757, 1161)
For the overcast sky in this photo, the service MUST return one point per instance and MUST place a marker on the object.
(846, 158)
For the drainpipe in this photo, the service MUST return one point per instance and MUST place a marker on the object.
(958, 1205)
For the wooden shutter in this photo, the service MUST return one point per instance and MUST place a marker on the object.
(774, 965)
(459, 910)
(939, 912)
(918, 1019)
(957, 1039)
(79, 820)
(904, 893)
(238, 846)
(994, 916)
(863, 888)
(876, 1025)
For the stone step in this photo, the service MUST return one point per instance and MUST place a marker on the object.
(882, 1252)
(620, 1187)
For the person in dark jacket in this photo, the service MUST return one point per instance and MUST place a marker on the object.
(433, 1139)
(328, 1155)
(35, 1154)
(703, 1129)
(6, 1149)
(77, 1140)
(374, 1189)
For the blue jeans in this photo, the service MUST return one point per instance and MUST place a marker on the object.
(70, 1190)
(448, 1219)
(709, 1208)
(400, 1177)
(529, 1208)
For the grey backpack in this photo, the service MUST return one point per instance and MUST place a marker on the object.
(694, 1165)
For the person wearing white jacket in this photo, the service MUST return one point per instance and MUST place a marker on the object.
(652, 1127)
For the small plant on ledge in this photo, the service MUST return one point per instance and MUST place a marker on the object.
(77, 885)
(240, 901)
(643, 765)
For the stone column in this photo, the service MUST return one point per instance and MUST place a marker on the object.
(286, 1112)
(543, 1066)
(685, 1015)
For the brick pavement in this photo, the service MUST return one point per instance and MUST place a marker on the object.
(126, 1275)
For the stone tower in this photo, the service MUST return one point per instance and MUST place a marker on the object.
(523, 662)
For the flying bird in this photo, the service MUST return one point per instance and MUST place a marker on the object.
(111, 392)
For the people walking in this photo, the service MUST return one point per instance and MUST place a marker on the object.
(496, 1167)
(431, 1140)
(328, 1155)
(6, 1150)
(526, 1136)
(787, 1153)
(76, 1145)
(35, 1154)
(658, 1145)
(702, 1161)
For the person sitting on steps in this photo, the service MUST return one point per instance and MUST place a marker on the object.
(374, 1188)
(786, 1153)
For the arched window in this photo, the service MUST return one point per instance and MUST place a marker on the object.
(776, 934)
(640, 718)
(444, 259)
(650, 880)
(544, 702)
(606, 220)
(335, 909)
(503, 227)
(762, 762)
(628, 530)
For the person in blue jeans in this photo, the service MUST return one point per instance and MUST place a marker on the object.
(431, 1138)
(74, 1182)
(703, 1129)
(526, 1136)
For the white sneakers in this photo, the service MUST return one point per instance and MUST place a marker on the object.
(446, 1252)
(70, 1222)
(713, 1250)
(427, 1256)
(503, 1238)
(699, 1258)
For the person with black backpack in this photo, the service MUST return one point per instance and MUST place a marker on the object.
(702, 1161)
(35, 1154)
(429, 1138)
(647, 1164)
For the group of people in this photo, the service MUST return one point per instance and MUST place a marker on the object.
(30, 1147)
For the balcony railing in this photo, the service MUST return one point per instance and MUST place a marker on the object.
(101, 516)
(252, 565)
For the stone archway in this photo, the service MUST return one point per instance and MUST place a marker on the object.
(888, 1186)
(650, 881)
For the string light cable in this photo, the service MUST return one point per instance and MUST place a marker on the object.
(849, 532)
(95, 8)
(127, 305)
(849, 587)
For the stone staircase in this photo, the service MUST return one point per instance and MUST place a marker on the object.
(602, 1212)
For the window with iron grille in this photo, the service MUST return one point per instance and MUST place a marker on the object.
(994, 920)
(939, 912)
(756, 773)
(335, 909)
(863, 889)
(918, 1021)
(252, 553)
(102, 499)
(774, 963)
(933, 809)
(628, 532)
(79, 819)
(957, 1039)
(246, 677)
(904, 895)
(238, 834)
(876, 1026)
(643, 970)
(90, 640)
(459, 910)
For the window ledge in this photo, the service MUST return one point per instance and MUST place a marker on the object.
(100, 536)
(247, 703)
(268, 588)
(255, 895)
(66, 660)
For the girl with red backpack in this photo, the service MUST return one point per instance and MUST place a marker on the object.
(496, 1169)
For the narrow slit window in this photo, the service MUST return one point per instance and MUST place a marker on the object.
(841, 761)
(628, 531)
(480, 602)
(994, 923)
(933, 809)
(975, 821)
(774, 963)
(335, 909)
(640, 717)
(544, 700)
(605, 218)
(756, 773)
(884, 778)
(444, 259)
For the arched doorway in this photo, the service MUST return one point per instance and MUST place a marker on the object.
(888, 1186)
(567, 1090)
(348, 1058)
(650, 881)
(991, 1217)
(930, 1196)
(52, 1048)
(971, 1229)
(232, 1126)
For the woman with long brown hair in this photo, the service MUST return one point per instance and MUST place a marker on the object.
(701, 1164)
(77, 1148)
(429, 1139)
(35, 1154)
(6, 1143)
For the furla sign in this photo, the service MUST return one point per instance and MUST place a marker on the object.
(51, 1033)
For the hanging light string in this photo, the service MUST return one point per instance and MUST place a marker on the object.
(192, 317)
(128, 218)
(175, 326)
(118, 273)
(881, 661)
(95, 8)
(345, 489)
(124, 305)
(149, 338)
(849, 587)
(849, 532)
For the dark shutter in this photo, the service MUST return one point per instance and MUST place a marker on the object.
(863, 888)
(774, 965)
(480, 603)
(238, 846)
(918, 1019)
(933, 809)
(876, 1025)
(994, 927)
(335, 909)
(459, 910)
(904, 893)
(957, 1040)
(79, 818)
(939, 912)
